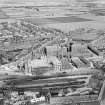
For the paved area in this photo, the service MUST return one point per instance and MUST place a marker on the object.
(74, 100)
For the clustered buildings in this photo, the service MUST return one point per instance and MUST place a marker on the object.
(39, 65)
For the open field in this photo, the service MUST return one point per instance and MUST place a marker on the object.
(43, 21)
(3, 15)
(33, 2)
(66, 27)
(89, 20)
(40, 11)
(69, 19)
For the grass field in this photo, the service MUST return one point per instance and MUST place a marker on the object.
(69, 19)
(42, 21)
(3, 15)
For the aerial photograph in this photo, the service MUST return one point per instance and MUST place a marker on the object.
(52, 52)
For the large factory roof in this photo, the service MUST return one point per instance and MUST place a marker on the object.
(39, 63)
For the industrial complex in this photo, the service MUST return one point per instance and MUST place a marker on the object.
(52, 53)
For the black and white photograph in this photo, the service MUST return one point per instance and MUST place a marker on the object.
(52, 52)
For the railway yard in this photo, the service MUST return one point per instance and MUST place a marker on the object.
(52, 54)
